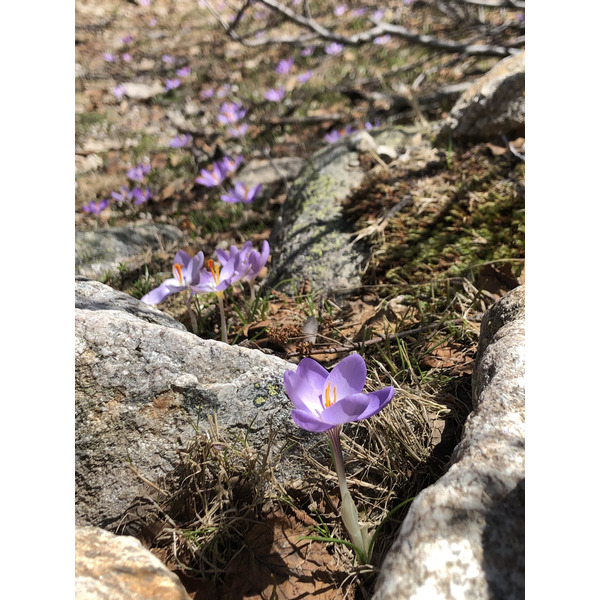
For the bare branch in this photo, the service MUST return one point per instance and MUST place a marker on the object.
(447, 45)
(496, 3)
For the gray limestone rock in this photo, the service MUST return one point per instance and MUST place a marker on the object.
(110, 567)
(493, 105)
(143, 385)
(464, 536)
(311, 239)
(98, 252)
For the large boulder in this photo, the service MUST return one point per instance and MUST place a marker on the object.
(464, 536)
(492, 106)
(144, 385)
(103, 251)
(110, 567)
(311, 239)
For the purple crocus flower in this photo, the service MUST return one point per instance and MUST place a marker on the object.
(139, 172)
(307, 51)
(336, 134)
(358, 12)
(123, 195)
(338, 11)
(180, 141)
(324, 400)
(168, 59)
(208, 93)
(140, 195)
(333, 48)
(275, 95)
(171, 84)
(251, 261)
(229, 165)
(126, 39)
(284, 66)
(183, 72)
(378, 15)
(95, 207)
(230, 112)
(223, 91)
(215, 278)
(126, 56)
(240, 193)
(186, 273)
(304, 77)
(212, 176)
(108, 57)
(119, 91)
(380, 40)
(238, 130)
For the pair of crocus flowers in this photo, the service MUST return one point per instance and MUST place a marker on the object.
(190, 273)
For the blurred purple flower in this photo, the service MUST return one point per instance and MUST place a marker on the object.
(336, 134)
(186, 273)
(123, 195)
(208, 93)
(183, 72)
(95, 207)
(304, 77)
(240, 193)
(119, 91)
(127, 39)
(284, 66)
(171, 84)
(307, 51)
(228, 165)
(152, 22)
(382, 39)
(358, 12)
(144, 2)
(333, 48)
(140, 195)
(179, 141)
(275, 95)
(340, 10)
(108, 57)
(231, 112)
(378, 15)
(223, 91)
(323, 400)
(238, 130)
(126, 56)
(139, 172)
(212, 176)
(168, 59)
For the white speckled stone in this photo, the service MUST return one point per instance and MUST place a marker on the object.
(464, 536)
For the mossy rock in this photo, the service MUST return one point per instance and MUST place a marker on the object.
(311, 239)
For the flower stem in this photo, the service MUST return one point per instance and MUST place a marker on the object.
(193, 320)
(223, 320)
(348, 509)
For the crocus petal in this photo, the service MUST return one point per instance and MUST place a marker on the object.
(223, 256)
(348, 376)
(377, 401)
(308, 421)
(182, 258)
(157, 295)
(305, 386)
(347, 409)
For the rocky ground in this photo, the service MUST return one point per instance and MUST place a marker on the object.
(445, 231)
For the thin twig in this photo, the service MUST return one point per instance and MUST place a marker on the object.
(391, 336)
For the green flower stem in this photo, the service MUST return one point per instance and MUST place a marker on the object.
(223, 320)
(193, 319)
(348, 509)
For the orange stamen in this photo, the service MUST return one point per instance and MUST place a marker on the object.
(214, 269)
(328, 395)
(177, 272)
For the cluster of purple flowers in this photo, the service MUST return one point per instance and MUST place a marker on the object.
(236, 265)
(231, 112)
(138, 194)
(218, 171)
